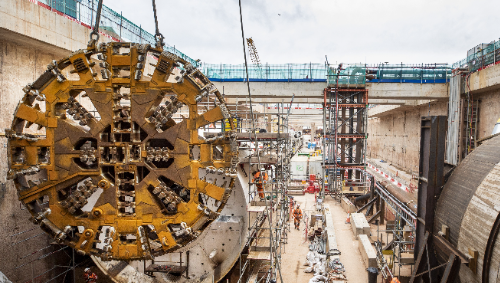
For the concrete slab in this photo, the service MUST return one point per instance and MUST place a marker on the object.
(347, 205)
(407, 91)
(485, 80)
(275, 92)
(359, 224)
(331, 242)
(367, 251)
(27, 18)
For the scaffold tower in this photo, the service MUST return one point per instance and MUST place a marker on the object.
(344, 131)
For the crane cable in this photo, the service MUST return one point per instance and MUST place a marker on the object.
(94, 35)
(95, 31)
(158, 35)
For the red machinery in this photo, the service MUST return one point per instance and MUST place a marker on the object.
(312, 187)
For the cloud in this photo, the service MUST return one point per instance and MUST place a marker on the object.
(305, 31)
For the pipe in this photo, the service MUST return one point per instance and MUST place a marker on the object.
(396, 191)
(362, 198)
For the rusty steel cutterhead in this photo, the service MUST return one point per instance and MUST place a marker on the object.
(105, 165)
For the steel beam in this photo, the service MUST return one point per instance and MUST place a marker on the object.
(452, 269)
(431, 179)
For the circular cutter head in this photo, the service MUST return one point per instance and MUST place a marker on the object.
(105, 152)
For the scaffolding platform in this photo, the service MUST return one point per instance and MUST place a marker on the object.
(256, 208)
(267, 159)
(296, 190)
(259, 255)
(262, 136)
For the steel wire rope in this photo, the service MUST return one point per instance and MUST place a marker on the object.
(95, 31)
(158, 35)
(255, 138)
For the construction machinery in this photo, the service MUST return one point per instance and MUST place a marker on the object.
(108, 171)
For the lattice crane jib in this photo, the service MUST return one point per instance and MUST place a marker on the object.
(129, 157)
(254, 56)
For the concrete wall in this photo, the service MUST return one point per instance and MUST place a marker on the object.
(485, 86)
(395, 137)
(393, 129)
(489, 112)
(41, 25)
(485, 80)
(30, 38)
(20, 64)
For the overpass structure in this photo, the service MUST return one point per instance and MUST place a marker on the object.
(392, 86)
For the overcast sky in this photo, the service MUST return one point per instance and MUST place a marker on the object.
(299, 31)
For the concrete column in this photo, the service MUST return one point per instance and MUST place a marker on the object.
(313, 131)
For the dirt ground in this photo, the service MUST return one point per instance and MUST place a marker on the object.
(295, 252)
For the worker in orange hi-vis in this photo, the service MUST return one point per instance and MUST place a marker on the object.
(395, 280)
(297, 216)
(260, 177)
(89, 276)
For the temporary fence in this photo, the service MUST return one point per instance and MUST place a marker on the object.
(408, 73)
(359, 74)
(350, 74)
(481, 59)
(347, 75)
(112, 24)
(307, 72)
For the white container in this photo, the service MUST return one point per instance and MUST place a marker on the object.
(298, 167)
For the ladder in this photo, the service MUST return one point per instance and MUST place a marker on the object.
(471, 126)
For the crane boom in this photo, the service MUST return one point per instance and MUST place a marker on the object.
(254, 56)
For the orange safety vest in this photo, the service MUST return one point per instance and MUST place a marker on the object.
(297, 213)
(395, 280)
(257, 175)
(90, 277)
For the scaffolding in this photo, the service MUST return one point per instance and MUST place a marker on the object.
(344, 131)
(268, 208)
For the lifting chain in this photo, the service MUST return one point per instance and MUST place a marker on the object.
(94, 35)
(158, 35)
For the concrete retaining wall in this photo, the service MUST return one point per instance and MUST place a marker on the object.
(489, 112)
(30, 38)
(395, 138)
(20, 64)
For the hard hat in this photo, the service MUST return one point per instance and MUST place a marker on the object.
(262, 169)
(87, 269)
(298, 205)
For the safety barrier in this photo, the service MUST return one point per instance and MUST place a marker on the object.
(352, 74)
(482, 59)
(308, 72)
(359, 74)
